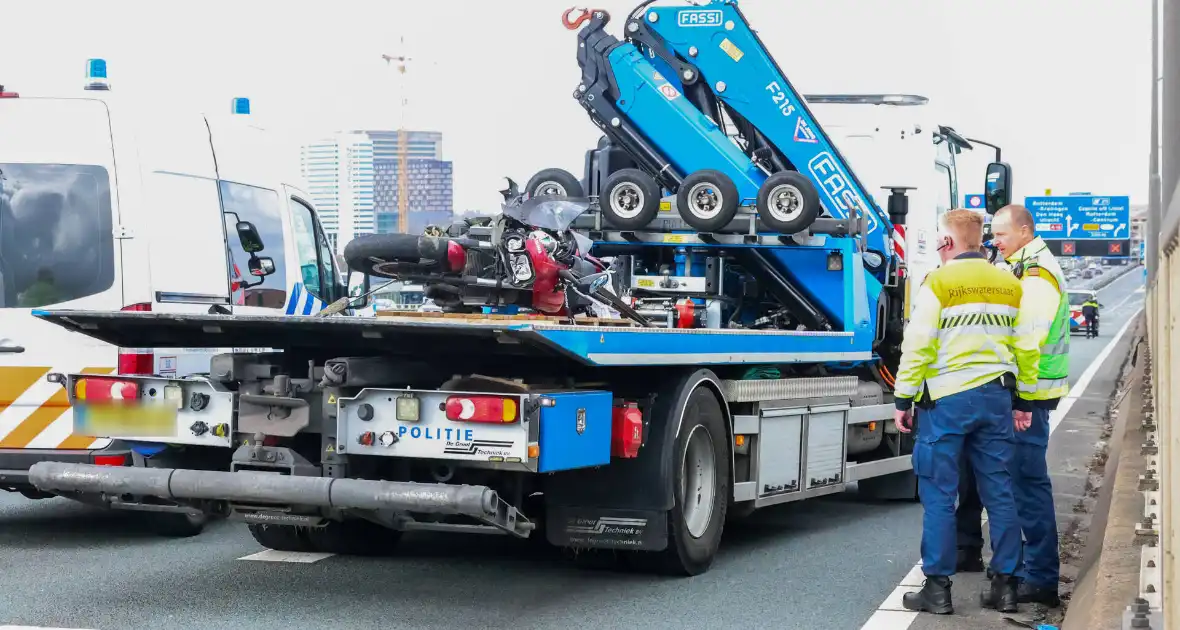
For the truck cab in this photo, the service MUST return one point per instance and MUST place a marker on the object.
(108, 204)
(895, 140)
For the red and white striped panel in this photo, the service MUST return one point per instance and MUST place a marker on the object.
(899, 246)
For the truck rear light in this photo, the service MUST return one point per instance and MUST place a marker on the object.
(4, 94)
(110, 460)
(493, 409)
(105, 390)
(626, 434)
(137, 361)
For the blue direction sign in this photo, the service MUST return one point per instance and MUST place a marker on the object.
(975, 202)
(1078, 217)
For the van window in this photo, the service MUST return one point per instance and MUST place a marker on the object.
(259, 206)
(56, 234)
(315, 256)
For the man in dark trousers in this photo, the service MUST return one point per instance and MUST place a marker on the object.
(1090, 312)
(961, 359)
(1044, 311)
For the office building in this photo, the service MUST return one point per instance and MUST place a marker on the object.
(430, 193)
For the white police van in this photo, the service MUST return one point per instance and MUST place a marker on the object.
(108, 204)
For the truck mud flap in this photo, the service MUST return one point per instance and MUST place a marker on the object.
(593, 528)
(175, 484)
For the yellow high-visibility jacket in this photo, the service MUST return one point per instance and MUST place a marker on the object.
(962, 333)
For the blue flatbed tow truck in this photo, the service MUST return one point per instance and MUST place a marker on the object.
(717, 189)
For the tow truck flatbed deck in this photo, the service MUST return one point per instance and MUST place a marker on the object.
(592, 345)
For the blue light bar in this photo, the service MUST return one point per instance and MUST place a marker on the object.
(241, 106)
(96, 68)
(96, 74)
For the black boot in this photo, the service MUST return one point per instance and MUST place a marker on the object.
(935, 596)
(970, 560)
(1030, 594)
(1001, 594)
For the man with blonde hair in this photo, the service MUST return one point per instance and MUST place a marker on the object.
(1045, 313)
(960, 364)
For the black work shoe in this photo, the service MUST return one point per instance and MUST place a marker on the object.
(1030, 594)
(970, 560)
(1002, 594)
(935, 596)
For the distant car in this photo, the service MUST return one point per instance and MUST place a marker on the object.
(1087, 274)
(1078, 297)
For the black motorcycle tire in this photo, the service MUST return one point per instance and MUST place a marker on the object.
(372, 254)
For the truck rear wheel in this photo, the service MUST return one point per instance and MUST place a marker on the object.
(178, 524)
(280, 537)
(354, 537)
(701, 481)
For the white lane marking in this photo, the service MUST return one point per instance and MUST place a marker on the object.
(302, 557)
(890, 620)
(1079, 388)
(890, 615)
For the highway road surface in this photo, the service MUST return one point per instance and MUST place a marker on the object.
(815, 565)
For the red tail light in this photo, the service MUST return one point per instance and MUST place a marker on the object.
(494, 409)
(137, 361)
(105, 390)
(110, 460)
(456, 256)
(4, 94)
(626, 434)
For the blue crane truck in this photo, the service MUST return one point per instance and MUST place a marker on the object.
(732, 212)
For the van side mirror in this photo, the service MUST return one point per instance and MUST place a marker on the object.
(261, 266)
(997, 188)
(250, 238)
(362, 290)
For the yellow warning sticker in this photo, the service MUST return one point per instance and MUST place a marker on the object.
(646, 283)
(732, 50)
(331, 399)
(331, 448)
(665, 206)
(673, 238)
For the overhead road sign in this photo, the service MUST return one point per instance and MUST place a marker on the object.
(1079, 218)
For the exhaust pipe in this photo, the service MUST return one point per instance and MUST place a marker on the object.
(259, 487)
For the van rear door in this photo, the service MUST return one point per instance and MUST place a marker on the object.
(181, 211)
(58, 215)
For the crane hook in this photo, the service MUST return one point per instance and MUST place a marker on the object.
(581, 19)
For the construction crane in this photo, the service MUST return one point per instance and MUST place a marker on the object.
(403, 151)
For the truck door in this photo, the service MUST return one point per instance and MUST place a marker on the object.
(263, 208)
(319, 282)
(58, 217)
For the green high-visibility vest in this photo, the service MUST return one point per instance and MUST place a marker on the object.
(1053, 368)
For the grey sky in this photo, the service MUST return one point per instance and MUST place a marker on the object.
(1062, 85)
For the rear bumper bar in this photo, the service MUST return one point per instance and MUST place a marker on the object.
(479, 502)
(16, 463)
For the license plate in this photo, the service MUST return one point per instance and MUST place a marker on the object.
(126, 420)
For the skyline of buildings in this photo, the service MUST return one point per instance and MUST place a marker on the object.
(347, 172)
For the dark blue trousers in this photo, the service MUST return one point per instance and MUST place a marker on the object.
(974, 426)
(1041, 564)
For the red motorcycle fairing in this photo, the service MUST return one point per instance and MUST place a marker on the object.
(546, 296)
